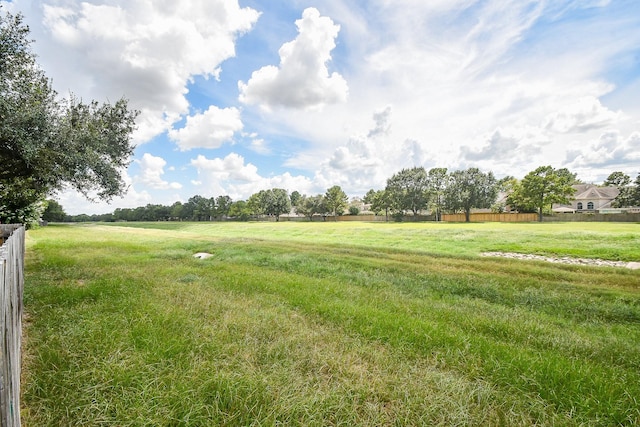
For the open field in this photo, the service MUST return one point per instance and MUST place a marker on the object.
(330, 324)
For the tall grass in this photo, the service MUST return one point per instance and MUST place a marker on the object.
(330, 324)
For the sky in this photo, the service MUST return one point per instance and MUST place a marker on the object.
(240, 96)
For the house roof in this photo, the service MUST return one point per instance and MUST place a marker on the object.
(593, 192)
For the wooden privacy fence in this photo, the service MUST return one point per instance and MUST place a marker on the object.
(492, 217)
(11, 286)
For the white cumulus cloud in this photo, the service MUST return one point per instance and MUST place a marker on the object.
(210, 129)
(302, 80)
(147, 51)
(151, 171)
(233, 177)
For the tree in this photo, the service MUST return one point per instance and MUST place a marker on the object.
(617, 179)
(240, 210)
(310, 205)
(223, 204)
(336, 200)
(408, 190)
(437, 181)
(176, 211)
(295, 198)
(469, 189)
(629, 194)
(270, 202)
(47, 144)
(543, 187)
(53, 212)
(379, 201)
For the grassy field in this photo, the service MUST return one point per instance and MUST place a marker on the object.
(320, 324)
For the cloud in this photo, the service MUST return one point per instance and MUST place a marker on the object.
(146, 51)
(610, 150)
(232, 176)
(302, 79)
(260, 146)
(151, 171)
(382, 119)
(585, 114)
(210, 129)
(513, 144)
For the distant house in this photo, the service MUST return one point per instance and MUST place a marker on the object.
(589, 198)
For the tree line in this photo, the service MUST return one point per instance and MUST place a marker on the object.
(413, 191)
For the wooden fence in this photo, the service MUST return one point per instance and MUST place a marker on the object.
(492, 217)
(11, 286)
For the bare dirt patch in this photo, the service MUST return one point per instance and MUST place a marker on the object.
(565, 260)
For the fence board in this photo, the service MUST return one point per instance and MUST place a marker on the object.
(11, 289)
(492, 217)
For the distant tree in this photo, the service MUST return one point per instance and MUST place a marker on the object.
(354, 210)
(629, 194)
(223, 204)
(199, 208)
(47, 144)
(274, 202)
(255, 205)
(53, 212)
(176, 211)
(470, 189)
(336, 200)
(543, 187)
(437, 181)
(617, 179)
(379, 201)
(295, 198)
(240, 210)
(408, 190)
(310, 205)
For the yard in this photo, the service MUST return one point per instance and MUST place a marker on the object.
(318, 324)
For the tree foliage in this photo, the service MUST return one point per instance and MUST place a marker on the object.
(379, 201)
(274, 202)
(437, 182)
(47, 144)
(542, 188)
(617, 179)
(336, 200)
(629, 194)
(53, 212)
(310, 205)
(469, 189)
(408, 190)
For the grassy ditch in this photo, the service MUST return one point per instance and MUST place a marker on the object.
(330, 324)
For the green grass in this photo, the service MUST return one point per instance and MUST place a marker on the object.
(330, 324)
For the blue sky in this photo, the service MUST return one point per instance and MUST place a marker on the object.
(237, 97)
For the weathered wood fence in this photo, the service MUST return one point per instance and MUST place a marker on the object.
(492, 217)
(11, 287)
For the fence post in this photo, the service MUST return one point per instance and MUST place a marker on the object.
(11, 289)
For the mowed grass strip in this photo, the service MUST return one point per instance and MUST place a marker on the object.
(334, 325)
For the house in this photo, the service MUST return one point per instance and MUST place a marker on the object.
(589, 198)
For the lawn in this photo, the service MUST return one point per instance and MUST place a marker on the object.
(317, 324)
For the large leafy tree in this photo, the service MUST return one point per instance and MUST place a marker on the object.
(310, 205)
(336, 200)
(629, 194)
(617, 179)
(47, 144)
(437, 181)
(53, 212)
(542, 188)
(469, 189)
(379, 201)
(408, 190)
(274, 202)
